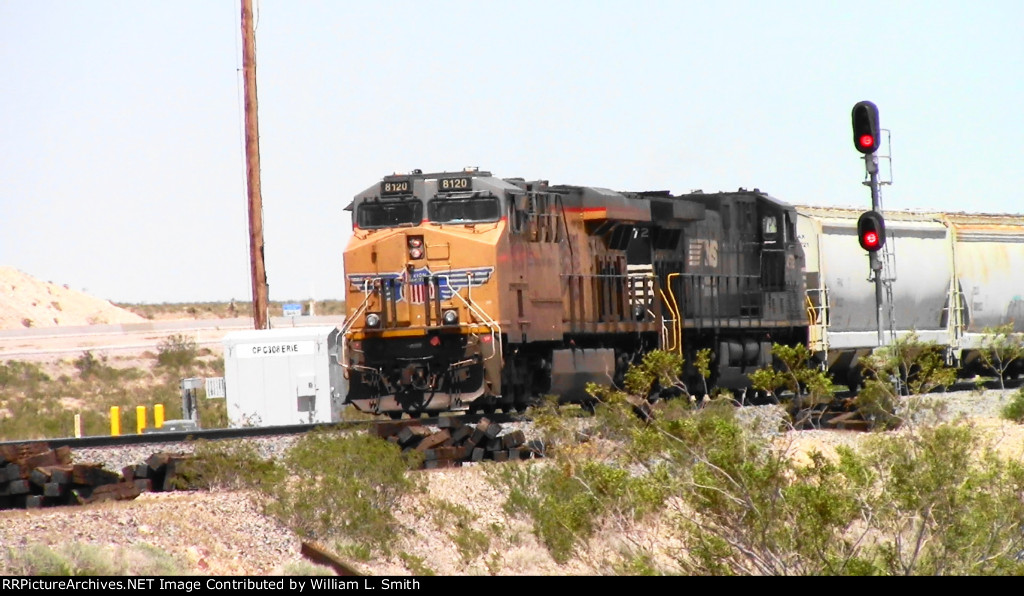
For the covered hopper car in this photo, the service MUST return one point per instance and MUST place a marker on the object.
(952, 278)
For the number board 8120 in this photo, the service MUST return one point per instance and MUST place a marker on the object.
(453, 184)
(396, 187)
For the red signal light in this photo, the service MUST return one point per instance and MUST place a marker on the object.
(865, 127)
(871, 231)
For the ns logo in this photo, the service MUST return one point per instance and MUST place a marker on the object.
(702, 252)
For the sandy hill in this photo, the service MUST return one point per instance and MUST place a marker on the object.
(27, 302)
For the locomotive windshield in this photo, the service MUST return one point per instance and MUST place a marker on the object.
(464, 210)
(390, 214)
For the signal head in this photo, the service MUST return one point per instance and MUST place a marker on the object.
(865, 127)
(871, 231)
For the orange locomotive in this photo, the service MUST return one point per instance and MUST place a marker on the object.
(471, 292)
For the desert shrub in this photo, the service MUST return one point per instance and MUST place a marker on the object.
(906, 367)
(1014, 409)
(934, 501)
(658, 370)
(21, 375)
(227, 465)
(88, 559)
(458, 520)
(79, 559)
(177, 352)
(756, 511)
(98, 370)
(213, 413)
(567, 503)
(342, 485)
(415, 565)
(640, 564)
(798, 374)
(1000, 349)
(941, 502)
(37, 559)
(146, 559)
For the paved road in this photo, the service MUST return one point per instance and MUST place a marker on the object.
(43, 343)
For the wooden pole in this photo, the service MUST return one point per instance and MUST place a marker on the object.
(260, 305)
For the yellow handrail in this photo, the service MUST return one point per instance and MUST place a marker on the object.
(668, 304)
(675, 311)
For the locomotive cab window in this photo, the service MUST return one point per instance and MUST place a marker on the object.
(389, 214)
(464, 210)
(769, 228)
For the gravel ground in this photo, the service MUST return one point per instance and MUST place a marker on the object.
(224, 533)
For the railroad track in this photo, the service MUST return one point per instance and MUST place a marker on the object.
(184, 436)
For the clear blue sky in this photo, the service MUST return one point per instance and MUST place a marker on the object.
(122, 148)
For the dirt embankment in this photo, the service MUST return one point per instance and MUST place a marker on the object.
(28, 302)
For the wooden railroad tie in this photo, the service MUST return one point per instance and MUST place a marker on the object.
(455, 442)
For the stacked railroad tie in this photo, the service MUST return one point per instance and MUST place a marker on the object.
(454, 442)
(33, 475)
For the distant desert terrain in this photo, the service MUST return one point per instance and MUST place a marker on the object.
(28, 302)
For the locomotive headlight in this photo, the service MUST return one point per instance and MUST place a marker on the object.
(373, 320)
(450, 317)
(415, 253)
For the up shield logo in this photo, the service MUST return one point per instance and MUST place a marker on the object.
(412, 286)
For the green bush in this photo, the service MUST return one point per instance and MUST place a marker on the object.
(906, 367)
(79, 559)
(342, 485)
(1014, 409)
(458, 519)
(227, 465)
(21, 375)
(177, 352)
(567, 502)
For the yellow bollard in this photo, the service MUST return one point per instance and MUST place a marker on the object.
(115, 421)
(78, 426)
(158, 416)
(140, 419)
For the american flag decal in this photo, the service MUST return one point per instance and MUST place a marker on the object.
(418, 292)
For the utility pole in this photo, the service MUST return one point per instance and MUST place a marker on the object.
(260, 305)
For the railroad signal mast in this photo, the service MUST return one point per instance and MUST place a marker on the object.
(871, 225)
